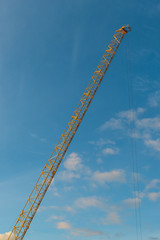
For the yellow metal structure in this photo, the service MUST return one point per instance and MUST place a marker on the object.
(51, 167)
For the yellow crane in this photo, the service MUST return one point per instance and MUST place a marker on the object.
(35, 198)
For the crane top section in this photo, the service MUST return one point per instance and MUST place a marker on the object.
(126, 28)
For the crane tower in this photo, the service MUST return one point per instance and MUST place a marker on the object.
(35, 198)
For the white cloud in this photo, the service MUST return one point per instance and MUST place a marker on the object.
(131, 114)
(132, 202)
(110, 151)
(74, 168)
(153, 184)
(112, 219)
(86, 232)
(122, 118)
(67, 176)
(154, 238)
(6, 235)
(112, 176)
(102, 142)
(85, 202)
(149, 123)
(54, 217)
(140, 194)
(73, 162)
(155, 144)
(154, 196)
(143, 128)
(154, 99)
(63, 225)
(112, 124)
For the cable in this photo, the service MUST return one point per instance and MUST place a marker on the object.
(135, 167)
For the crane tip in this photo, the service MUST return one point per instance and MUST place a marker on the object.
(127, 28)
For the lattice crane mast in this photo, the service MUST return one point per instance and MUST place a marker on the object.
(25, 218)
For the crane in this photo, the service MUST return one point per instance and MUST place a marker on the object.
(35, 198)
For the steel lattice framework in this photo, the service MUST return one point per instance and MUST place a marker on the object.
(51, 167)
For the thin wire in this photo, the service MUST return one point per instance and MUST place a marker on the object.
(135, 168)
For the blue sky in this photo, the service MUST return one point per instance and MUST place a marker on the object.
(49, 51)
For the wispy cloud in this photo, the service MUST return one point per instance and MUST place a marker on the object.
(130, 115)
(68, 188)
(108, 177)
(145, 128)
(112, 219)
(148, 192)
(86, 202)
(34, 135)
(53, 189)
(54, 217)
(43, 139)
(153, 196)
(155, 183)
(149, 123)
(67, 176)
(112, 124)
(99, 161)
(132, 202)
(70, 209)
(110, 151)
(76, 46)
(139, 194)
(121, 119)
(154, 144)
(63, 225)
(141, 83)
(154, 99)
(85, 232)
(106, 147)
(154, 238)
